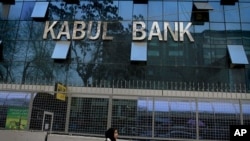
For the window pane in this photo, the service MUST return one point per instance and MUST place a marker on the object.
(185, 10)
(232, 13)
(140, 12)
(170, 11)
(27, 10)
(15, 11)
(144, 116)
(88, 115)
(124, 116)
(216, 15)
(246, 112)
(24, 30)
(244, 12)
(155, 10)
(125, 9)
(218, 115)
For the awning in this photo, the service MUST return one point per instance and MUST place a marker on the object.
(138, 51)
(203, 6)
(61, 50)
(237, 54)
(40, 10)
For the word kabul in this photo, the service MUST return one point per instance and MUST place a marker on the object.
(139, 31)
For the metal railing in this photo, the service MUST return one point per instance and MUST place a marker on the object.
(142, 84)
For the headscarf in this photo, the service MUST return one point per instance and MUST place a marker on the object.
(109, 134)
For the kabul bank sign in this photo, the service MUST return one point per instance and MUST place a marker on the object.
(139, 31)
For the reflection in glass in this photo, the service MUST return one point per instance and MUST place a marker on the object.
(175, 118)
(24, 30)
(185, 10)
(170, 12)
(59, 72)
(38, 69)
(244, 12)
(140, 12)
(27, 10)
(125, 9)
(218, 33)
(246, 112)
(246, 36)
(232, 26)
(10, 30)
(73, 78)
(21, 50)
(144, 116)
(218, 115)
(201, 29)
(232, 13)
(155, 10)
(80, 14)
(217, 14)
(124, 116)
(15, 11)
(55, 11)
(233, 34)
(15, 98)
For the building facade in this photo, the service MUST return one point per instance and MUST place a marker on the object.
(155, 69)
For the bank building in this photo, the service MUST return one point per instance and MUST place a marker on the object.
(153, 69)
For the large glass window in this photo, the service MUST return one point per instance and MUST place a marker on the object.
(27, 10)
(234, 35)
(55, 11)
(88, 115)
(217, 14)
(244, 12)
(246, 35)
(124, 117)
(144, 116)
(218, 33)
(170, 11)
(155, 10)
(24, 30)
(15, 11)
(246, 112)
(140, 12)
(11, 28)
(184, 11)
(218, 116)
(232, 13)
(175, 118)
(125, 9)
(21, 50)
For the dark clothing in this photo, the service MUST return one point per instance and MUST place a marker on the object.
(109, 134)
